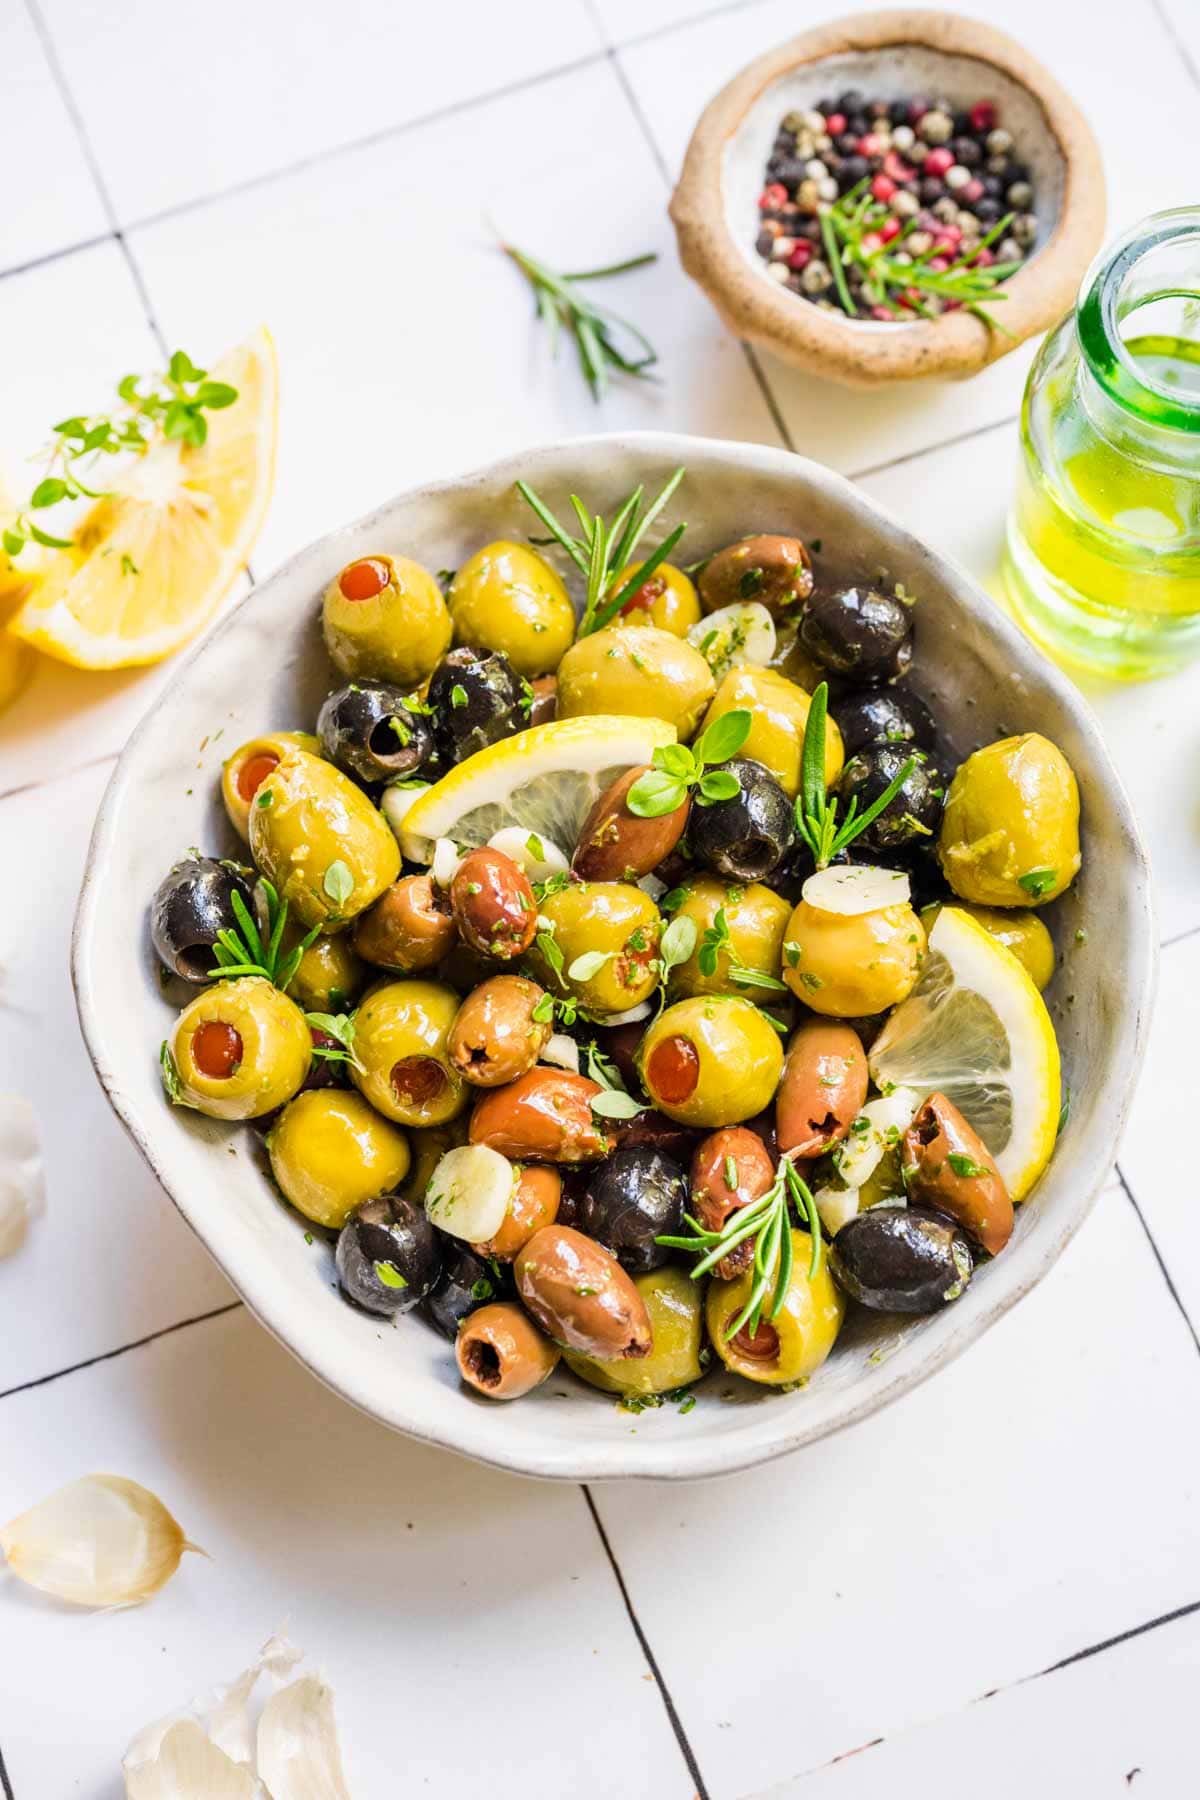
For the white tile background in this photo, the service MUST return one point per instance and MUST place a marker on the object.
(993, 1587)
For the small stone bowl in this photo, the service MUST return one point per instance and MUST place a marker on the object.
(892, 55)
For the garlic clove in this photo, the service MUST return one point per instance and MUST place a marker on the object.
(561, 1051)
(182, 1763)
(99, 1541)
(854, 888)
(299, 1757)
(22, 1172)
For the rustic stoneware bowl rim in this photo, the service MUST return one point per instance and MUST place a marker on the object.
(956, 344)
(673, 1455)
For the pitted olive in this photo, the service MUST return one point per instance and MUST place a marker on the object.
(901, 1259)
(367, 729)
(607, 934)
(823, 1087)
(329, 852)
(1010, 832)
(477, 698)
(191, 906)
(240, 1049)
(384, 616)
(388, 1256)
(730, 1169)
(409, 928)
(792, 1345)
(710, 1061)
(244, 772)
(508, 598)
(667, 599)
(948, 1168)
(495, 1036)
(402, 1058)
(501, 1353)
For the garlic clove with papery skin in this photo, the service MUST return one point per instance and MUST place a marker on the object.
(99, 1541)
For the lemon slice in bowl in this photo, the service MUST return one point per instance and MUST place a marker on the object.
(154, 559)
(544, 780)
(976, 1029)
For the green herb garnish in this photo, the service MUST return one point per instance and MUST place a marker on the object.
(850, 235)
(247, 951)
(717, 942)
(816, 813)
(675, 770)
(613, 1103)
(171, 1079)
(338, 883)
(965, 1165)
(340, 1027)
(589, 964)
(604, 341)
(389, 1275)
(1038, 882)
(605, 550)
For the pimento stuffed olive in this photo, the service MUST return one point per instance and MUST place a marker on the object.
(384, 618)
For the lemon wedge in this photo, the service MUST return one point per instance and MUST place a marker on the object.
(154, 559)
(544, 780)
(976, 1029)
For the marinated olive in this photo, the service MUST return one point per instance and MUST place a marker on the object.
(913, 815)
(632, 1198)
(745, 837)
(477, 698)
(667, 598)
(388, 1256)
(606, 933)
(792, 1345)
(747, 924)
(616, 844)
(329, 976)
(775, 571)
(330, 1152)
(581, 1296)
(778, 714)
(710, 1061)
(508, 598)
(368, 730)
(1021, 932)
(190, 907)
(860, 632)
(502, 1354)
(410, 927)
(495, 1037)
(467, 1282)
(240, 1049)
(730, 1169)
(533, 1202)
(823, 1087)
(493, 904)
(545, 700)
(384, 616)
(402, 1058)
(883, 716)
(244, 772)
(544, 1116)
(949, 1168)
(849, 965)
(645, 672)
(675, 1307)
(319, 839)
(1010, 833)
(901, 1259)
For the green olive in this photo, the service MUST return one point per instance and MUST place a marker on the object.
(1010, 832)
(384, 617)
(755, 918)
(330, 974)
(847, 965)
(1021, 932)
(668, 599)
(243, 773)
(507, 598)
(429, 1143)
(674, 1303)
(318, 838)
(402, 1061)
(711, 1061)
(797, 1340)
(778, 711)
(330, 1152)
(241, 1048)
(602, 919)
(641, 671)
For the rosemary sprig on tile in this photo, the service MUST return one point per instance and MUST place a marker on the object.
(605, 342)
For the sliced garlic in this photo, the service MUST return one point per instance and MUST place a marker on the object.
(469, 1192)
(298, 1753)
(446, 859)
(734, 636)
(397, 801)
(539, 856)
(22, 1172)
(631, 1015)
(836, 1206)
(562, 1051)
(876, 1129)
(853, 888)
(99, 1541)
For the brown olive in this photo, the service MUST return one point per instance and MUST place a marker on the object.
(616, 845)
(579, 1293)
(545, 1116)
(493, 904)
(775, 571)
(947, 1166)
(741, 1154)
(823, 1087)
(410, 926)
(545, 700)
(533, 1203)
(502, 1354)
(495, 1037)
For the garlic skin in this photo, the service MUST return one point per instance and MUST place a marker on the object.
(298, 1753)
(99, 1541)
(185, 1762)
(22, 1172)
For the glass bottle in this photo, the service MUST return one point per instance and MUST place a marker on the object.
(1103, 552)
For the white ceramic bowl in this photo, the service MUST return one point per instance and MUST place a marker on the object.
(264, 667)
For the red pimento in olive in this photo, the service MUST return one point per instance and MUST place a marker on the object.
(674, 1069)
(417, 1080)
(365, 579)
(254, 772)
(217, 1049)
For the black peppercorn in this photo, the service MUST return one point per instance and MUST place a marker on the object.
(852, 101)
(931, 189)
(967, 152)
(851, 172)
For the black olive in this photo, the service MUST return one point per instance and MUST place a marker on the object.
(745, 837)
(882, 716)
(925, 879)
(477, 698)
(901, 1259)
(858, 631)
(633, 1197)
(368, 730)
(191, 905)
(915, 811)
(388, 1256)
(466, 1282)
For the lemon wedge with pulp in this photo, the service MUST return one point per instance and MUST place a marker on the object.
(976, 1029)
(545, 780)
(154, 559)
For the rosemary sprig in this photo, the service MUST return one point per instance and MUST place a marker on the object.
(249, 951)
(816, 813)
(597, 331)
(604, 550)
(850, 235)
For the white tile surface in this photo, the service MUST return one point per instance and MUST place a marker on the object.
(50, 199)
(623, 20)
(296, 83)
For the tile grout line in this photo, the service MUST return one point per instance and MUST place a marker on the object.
(151, 1337)
(1177, 43)
(94, 762)
(6, 1787)
(1158, 1255)
(950, 443)
(53, 256)
(676, 1723)
(1110, 1643)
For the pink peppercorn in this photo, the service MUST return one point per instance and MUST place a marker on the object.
(937, 265)
(938, 161)
(869, 145)
(972, 192)
(947, 237)
(835, 123)
(871, 242)
(883, 188)
(982, 258)
(890, 229)
(884, 313)
(895, 167)
(773, 196)
(917, 110)
(801, 255)
(982, 116)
